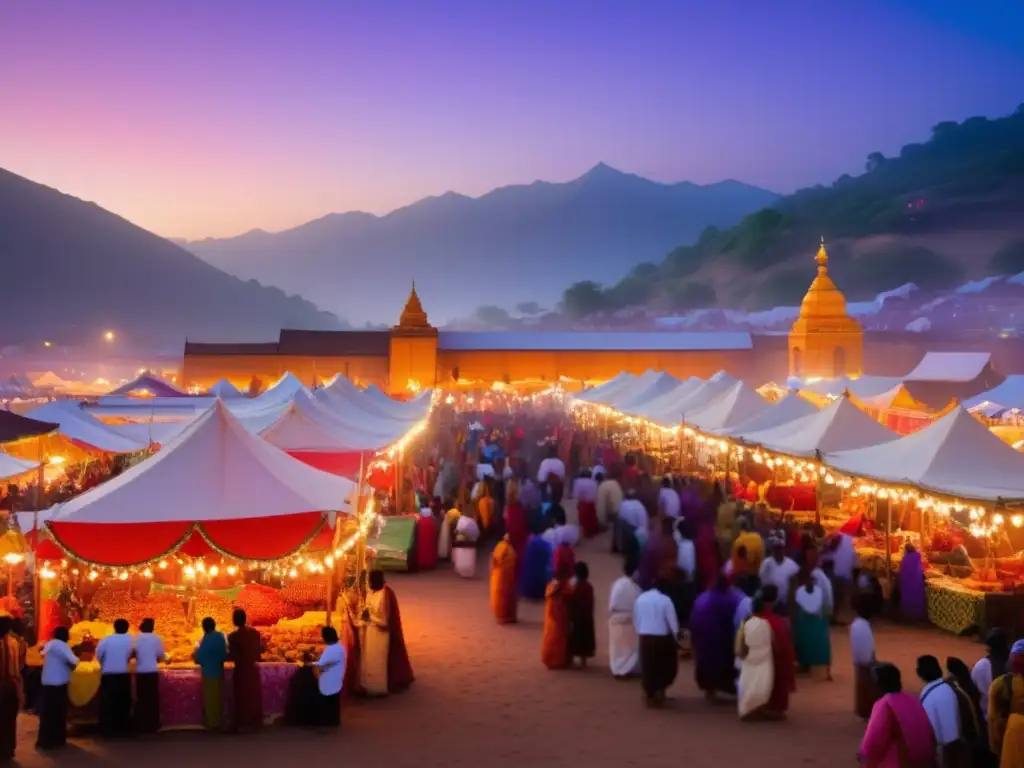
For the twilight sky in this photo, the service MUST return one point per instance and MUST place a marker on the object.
(195, 118)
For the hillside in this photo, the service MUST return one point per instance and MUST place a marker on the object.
(942, 212)
(514, 244)
(72, 269)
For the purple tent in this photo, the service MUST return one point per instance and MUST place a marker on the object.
(150, 383)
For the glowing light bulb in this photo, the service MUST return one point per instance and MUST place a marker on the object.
(93, 575)
(123, 576)
(292, 573)
(163, 565)
(214, 570)
(232, 570)
(190, 572)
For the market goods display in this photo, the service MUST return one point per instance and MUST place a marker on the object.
(264, 605)
(216, 607)
(283, 643)
(165, 609)
(112, 601)
(305, 593)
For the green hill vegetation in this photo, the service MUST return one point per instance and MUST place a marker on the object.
(885, 227)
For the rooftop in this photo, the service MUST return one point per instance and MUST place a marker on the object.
(591, 341)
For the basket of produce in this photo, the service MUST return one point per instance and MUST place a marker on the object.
(264, 605)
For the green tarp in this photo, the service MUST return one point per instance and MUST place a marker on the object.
(394, 545)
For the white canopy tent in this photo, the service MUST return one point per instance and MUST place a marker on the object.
(790, 407)
(11, 467)
(225, 390)
(82, 427)
(838, 426)
(214, 470)
(656, 387)
(605, 388)
(307, 425)
(737, 404)
(955, 455)
(1007, 396)
(611, 396)
(669, 401)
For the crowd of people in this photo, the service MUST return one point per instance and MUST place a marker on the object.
(750, 597)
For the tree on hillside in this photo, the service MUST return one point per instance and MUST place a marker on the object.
(1008, 260)
(875, 161)
(582, 299)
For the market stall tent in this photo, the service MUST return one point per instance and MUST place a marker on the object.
(669, 402)
(224, 389)
(838, 426)
(215, 486)
(686, 403)
(11, 467)
(1007, 396)
(655, 388)
(84, 428)
(790, 407)
(610, 395)
(956, 455)
(147, 384)
(607, 387)
(944, 376)
(735, 405)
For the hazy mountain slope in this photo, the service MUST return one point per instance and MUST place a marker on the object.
(517, 243)
(72, 270)
(943, 211)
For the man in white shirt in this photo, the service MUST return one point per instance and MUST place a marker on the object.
(58, 661)
(983, 674)
(331, 665)
(686, 552)
(657, 625)
(114, 652)
(669, 502)
(940, 703)
(780, 571)
(149, 652)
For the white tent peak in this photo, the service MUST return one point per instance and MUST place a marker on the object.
(224, 389)
(214, 470)
(789, 407)
(950, 366)
(76, 424)
(840, 425)
(955, 455)
(735, 405)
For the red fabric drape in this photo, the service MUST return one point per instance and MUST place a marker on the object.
(337, 463)
(127, 544)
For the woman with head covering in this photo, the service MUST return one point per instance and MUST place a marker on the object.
(813, 645)
(554, 648)
(783, 656)
(623, 642)
(899, 733)
(972, 723)
(582, 637)
(757, 667)
(711, 624)
(503, 582)
(1006, 712)
(913, 604)
(517, 525)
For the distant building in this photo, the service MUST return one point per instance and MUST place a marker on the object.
(413, 355)
(825, 342)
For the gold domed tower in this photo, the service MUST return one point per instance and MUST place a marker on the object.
(825, 342)
(413, 350)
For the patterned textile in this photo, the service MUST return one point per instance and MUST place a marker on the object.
(955, 609)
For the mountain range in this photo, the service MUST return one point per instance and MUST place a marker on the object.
(72, 271)
(516, 244)
(943, 211)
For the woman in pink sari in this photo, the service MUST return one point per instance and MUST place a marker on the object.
(899, 734)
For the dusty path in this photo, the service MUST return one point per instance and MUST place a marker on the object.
(483, 698)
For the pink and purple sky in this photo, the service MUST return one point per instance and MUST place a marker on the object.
(195, 118)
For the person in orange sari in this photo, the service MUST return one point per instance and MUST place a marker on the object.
(485, 508)
(554, 648)
(503, 582)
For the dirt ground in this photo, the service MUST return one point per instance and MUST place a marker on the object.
(482, 698)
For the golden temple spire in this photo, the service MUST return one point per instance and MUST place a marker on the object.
(413, 316)
(822, 258)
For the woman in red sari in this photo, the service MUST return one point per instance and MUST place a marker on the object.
(554, 647)
(517, 524)
(400, 675)
(244, 647)
(783, 656)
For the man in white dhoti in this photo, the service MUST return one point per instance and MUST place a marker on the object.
(757, 667)
(623, 643)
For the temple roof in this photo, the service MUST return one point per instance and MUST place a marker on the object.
(413, 316)
(823, 299)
